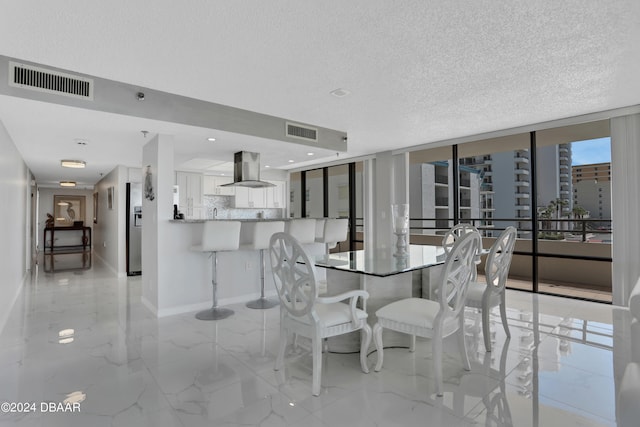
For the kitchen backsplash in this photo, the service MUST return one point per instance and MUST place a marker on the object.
(221, 207)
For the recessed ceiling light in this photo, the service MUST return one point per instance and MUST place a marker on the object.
(290, 161)
(267, 166)
(211, 139)
(78, 164)
(310, 154)
(339, 93)
(67, 183)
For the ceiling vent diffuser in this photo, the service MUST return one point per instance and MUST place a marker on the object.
(295, 130)
(49, 81)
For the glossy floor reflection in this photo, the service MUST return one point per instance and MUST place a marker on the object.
(83, 336)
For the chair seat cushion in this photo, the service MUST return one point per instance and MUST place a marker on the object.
(411, 311)
(475, 292)
(333, 314)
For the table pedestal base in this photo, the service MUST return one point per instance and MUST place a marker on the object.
(382, 291)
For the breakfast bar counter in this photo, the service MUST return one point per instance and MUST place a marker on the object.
(238, 274)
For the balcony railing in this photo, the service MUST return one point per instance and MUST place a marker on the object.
(575, 229)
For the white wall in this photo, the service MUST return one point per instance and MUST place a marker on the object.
(109, 234)
(14, 191)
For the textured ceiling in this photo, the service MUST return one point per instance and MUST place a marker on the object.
(418, 71)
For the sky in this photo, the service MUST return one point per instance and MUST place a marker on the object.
(591, 151)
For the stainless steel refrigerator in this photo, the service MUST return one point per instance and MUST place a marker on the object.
(134, 229)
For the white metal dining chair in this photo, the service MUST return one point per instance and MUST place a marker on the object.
(454, 233)
(491, 292)
(434, 319)
(303, 313)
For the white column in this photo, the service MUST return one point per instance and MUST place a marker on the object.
(157, 251)
(625, 179)
(386, 180)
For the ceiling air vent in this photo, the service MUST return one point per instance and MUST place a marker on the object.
(49, 81)
(295, 130)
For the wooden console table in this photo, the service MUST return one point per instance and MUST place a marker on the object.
(85, 242)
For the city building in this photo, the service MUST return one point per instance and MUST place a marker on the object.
(592, 189)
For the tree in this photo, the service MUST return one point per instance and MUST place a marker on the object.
(557, 205)
(578, 213)
(545, 215)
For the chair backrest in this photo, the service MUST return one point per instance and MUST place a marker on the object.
(456, 274)
(499, 260)
(259, 233)
(335, 230)
(302, 229)
(220, 236)
(456, 232)
(294, 274)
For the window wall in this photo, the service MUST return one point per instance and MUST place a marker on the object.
(574, 209)
(535, 182)
(334, 192)
(430, 193)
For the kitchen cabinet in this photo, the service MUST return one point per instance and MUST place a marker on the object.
(275, 195)
(212, 185)
(269, 197)
(190, 194)
(250, 197)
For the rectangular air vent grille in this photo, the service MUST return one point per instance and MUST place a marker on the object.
(43, 80)
(295, 130)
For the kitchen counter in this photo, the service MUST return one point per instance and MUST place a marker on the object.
(238, 271)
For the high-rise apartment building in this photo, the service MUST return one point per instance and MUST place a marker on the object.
(592, 189)
(495, 189)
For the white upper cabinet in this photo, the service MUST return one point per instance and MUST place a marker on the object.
(275, 195)
(213, 186)
(190, 193)
(250, 197)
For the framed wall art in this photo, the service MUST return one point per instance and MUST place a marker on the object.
(68, 210)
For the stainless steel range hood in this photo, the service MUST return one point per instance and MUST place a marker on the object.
(246, 171)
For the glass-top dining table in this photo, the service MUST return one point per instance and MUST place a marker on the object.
(383, 262)
(385, 277)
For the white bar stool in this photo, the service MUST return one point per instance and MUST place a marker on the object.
(335, 230)
(259, 235)
(217, 236)
(319, 228)
(302, 229)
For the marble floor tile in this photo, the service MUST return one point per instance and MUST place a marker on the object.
(84, 336)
